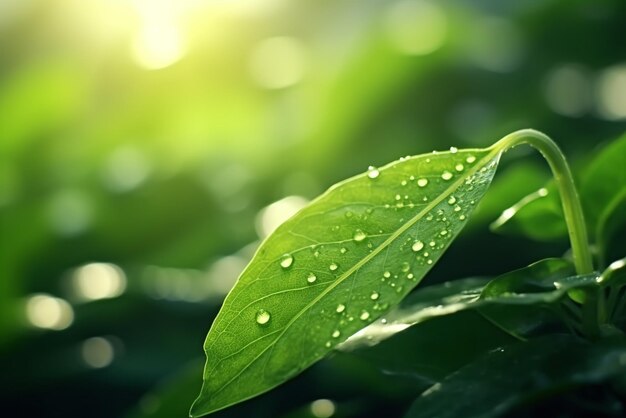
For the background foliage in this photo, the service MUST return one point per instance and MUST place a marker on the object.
(143, 145)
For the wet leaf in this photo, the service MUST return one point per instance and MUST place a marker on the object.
(542, 283)
(526, 372)
(335, 267)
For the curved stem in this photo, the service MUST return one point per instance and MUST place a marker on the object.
(569, 197)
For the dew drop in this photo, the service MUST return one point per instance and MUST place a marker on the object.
(336, 333)
(403, 182)
(446, 175)
(359, 235)
(386, 274)
(452, 200)
(444, 232)
(286, 261)
(432, 243)
(459, 167)
(417, 246)
(374, 295)
(398, 197)
(383, 321)
(410, 276)
(327, 345)
(349, 214)
(372, 172)
(343, 250)
(462, 217)
(454, 150)
(311, 278)
(263, 317)
(364, 316)
(340, 308)
(457, 208)
(405, 267)
(429, 261)
(333, 266)
(470, 159)
(422, 182)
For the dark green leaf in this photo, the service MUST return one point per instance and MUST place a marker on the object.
(525, 372)
(336, 266)
(544, 282)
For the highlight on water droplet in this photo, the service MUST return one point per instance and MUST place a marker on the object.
(454, 150)
(422, 182)
(405, 267)
(375, 295)
(336, 333)
(470, 159)
(452, 200)
(364, 316)
(263, 317)
(359, 235)
(387, 274)
(349, 214)
(417, 246)
(459, 167)
(343, 250)
(333, 266)
(286, 261)
(444, 232)
(311, 278)
(340, 308)
(372, 172)
(446, 175)
(462, 217)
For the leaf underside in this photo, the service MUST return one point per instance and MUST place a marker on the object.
(335, 267)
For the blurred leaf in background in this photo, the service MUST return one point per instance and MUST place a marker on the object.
(146, 146)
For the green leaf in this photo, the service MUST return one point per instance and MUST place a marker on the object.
(544, 282)
(538, 216)
(604, 182)
(428, 351)
(336, 266)
(500, 381)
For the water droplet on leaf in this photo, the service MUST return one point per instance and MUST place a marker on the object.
(263, 317)
(417, 246)
(359, 235)
(286, 261)
(372, 172)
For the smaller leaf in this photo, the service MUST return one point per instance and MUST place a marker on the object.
(500, 381)
(538, 216)
(544, 282)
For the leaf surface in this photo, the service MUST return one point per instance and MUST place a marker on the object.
(335, 267)
(501, 381)
(544, 282)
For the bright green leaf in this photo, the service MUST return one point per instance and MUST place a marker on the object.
(335, 267)
(501, 381)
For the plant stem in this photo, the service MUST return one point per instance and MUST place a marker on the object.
(573, 213)
(569, 197)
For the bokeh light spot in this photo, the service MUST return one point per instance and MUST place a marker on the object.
(99, 281)
(278, 62)
(272, 216)
(97, 352)
(568, 90)
(49, 312)
(611, 93)
(323, 408)
(416, 27)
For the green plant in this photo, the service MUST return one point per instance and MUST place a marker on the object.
(328, 278)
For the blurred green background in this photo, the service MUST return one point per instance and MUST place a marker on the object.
(146, 146)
